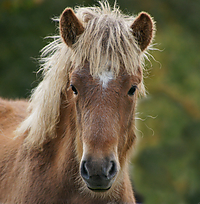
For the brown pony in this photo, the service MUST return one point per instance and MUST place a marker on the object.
(74, 142)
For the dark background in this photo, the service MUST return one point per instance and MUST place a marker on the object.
(166, 165)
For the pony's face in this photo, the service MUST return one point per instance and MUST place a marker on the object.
(104, 102)
(104, 107)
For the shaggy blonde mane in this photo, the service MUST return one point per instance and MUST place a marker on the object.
(107, 39)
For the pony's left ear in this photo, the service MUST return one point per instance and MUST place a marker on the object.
(143, 30)
(70, 26)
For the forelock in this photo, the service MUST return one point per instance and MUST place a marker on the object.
(107, 38)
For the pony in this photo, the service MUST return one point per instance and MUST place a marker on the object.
(72, 141)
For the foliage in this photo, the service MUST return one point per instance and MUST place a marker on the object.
(167, 160)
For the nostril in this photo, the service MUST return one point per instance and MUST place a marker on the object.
(112, 171)
(84, 170)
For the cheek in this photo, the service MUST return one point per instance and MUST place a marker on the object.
(78, 111)
(126, 113)
(79, 147)
(126, 110)
(78, 136)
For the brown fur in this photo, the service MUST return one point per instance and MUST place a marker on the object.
(70, 26)
(62, 128)
(143, 30)
(52, 175)
(11, 113)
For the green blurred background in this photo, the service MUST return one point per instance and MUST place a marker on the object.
(166, 165)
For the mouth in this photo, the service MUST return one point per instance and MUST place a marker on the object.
(99, 187)
(99, 190)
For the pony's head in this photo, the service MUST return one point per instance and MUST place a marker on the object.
(105, 80)
(97, 65)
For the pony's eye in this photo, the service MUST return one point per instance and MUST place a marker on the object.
(74, 89)
(132, 90)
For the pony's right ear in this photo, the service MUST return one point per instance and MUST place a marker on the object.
(70, 26)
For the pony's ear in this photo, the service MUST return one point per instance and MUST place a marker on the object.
(70, 26)
(143, 30)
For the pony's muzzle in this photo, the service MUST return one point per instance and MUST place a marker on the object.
(99, 175)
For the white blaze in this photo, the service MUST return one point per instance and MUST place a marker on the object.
(105, 77)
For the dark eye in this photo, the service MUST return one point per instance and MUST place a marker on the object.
(74, 90)
(132, 90)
